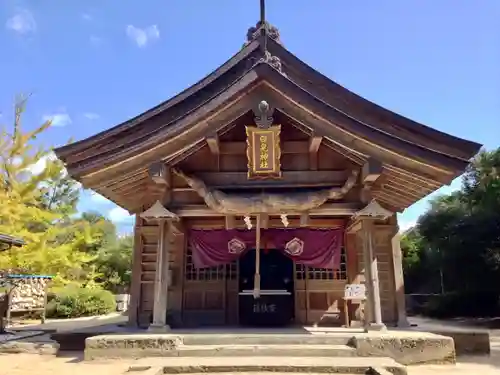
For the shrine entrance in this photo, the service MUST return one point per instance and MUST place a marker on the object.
(275, 304)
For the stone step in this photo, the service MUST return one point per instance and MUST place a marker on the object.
(266, 339)
(310, 365)
(274, 350)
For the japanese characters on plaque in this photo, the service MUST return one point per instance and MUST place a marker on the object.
(263, 152)
(264, 308)
(355, 292)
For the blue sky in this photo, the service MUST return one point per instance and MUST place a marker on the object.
(92, 64)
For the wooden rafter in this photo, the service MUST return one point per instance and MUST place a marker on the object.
(213, 144)
(314, 143)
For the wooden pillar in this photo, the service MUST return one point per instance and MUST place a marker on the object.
(373, 310)
(161, 277)
(397, 262)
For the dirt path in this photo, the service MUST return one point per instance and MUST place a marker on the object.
(28, 364)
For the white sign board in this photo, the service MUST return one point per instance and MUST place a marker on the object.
(355, 292)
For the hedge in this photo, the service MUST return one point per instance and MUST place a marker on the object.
(74, 302)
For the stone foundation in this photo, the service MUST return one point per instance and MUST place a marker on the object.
(408, 348)
(131, 346)
(404, 347)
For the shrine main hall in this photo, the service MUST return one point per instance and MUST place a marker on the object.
(262, 191)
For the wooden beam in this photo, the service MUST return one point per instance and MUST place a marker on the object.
(371, 171)
(132, 176)
(213, 144)
(264, 221)
(407, 181)
(230, 222)
(403, 192)
(328, 209)
(404, 173)
(408, 187)
(304, 219)
(239, 180)
(160, 173)
(314, 143)
(287, 147)
(393, 199)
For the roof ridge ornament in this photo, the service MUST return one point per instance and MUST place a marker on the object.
(273, 61)
(255, 32)
(263, 28)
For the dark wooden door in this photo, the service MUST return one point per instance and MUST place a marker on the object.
(275, 306)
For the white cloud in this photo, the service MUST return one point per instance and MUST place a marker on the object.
(143, 36)
(41, 164)
(96, 40)
(22, 22)
(58, 119)
(119, 215)
(404, 225)
(91, 116)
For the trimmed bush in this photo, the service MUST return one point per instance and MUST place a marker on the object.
(75, 302)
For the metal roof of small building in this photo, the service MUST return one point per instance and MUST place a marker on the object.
(10, 240)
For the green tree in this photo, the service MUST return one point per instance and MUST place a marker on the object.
(459, 246)
(114, 264)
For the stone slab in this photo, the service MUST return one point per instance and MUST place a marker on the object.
(269, 364)
(271, 338)
(406, 347)
(130, 346)
(26, 347)
(265, 351)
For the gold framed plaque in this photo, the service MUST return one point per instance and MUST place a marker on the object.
(264, 152)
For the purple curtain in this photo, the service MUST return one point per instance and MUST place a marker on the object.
(219, 246)
(312, 247)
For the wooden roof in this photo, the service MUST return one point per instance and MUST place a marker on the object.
(412, 154)
(7, 241)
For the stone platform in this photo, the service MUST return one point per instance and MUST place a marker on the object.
(405, 347)
(277, 365)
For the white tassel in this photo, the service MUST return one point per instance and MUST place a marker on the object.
(248, 222)
(284, 220)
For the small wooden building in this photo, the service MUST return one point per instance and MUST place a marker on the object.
(264, 189)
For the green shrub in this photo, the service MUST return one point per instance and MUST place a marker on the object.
(74, 302)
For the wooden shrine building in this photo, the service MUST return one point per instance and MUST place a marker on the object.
(264, 189)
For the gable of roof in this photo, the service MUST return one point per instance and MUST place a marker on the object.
(263, 59)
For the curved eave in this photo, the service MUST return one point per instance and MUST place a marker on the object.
(75, 147)
(367, 111)
(194, 126)
(310, 80)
